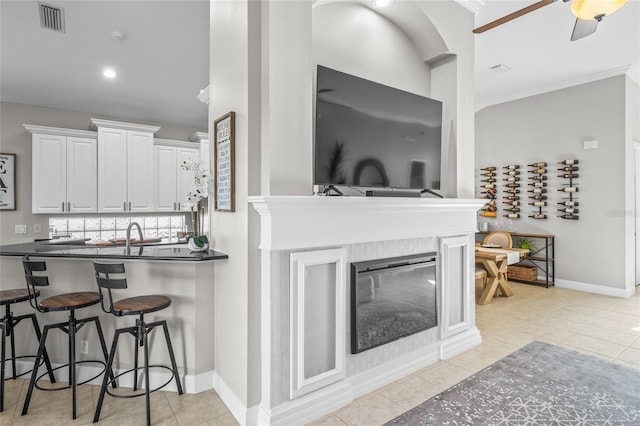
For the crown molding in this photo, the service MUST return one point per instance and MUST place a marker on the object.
(557, 85)
(472, 5)
(59, 131)
(97, 122)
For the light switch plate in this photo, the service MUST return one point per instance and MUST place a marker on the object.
(37, 228)
(21, 229)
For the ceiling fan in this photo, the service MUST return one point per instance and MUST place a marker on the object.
(588, 13)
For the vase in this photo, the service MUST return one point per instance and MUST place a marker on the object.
(198, 243)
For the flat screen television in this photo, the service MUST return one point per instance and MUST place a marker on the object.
(371, 135)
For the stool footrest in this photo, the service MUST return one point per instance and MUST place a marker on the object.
(104, 365)
(142, 393)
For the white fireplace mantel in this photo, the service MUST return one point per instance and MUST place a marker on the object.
(296, 222)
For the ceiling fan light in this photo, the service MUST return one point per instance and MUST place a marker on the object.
(590, 9)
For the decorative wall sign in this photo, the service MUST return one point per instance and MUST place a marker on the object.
(224, 143)
(7, 181)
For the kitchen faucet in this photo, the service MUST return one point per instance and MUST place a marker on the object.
(128, 240)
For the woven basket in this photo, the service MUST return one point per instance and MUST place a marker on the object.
(524, 273)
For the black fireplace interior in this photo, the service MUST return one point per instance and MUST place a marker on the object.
(392, 298)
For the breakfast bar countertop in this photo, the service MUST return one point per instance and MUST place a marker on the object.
(166, 252)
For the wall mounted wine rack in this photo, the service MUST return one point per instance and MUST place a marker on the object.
(489, 191)
(568, 207)
(538, 192)
(512, 191)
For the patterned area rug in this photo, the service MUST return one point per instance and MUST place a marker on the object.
(540, 384)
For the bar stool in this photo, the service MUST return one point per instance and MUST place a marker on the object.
(138, 305)
(61, 302)
(8, 323)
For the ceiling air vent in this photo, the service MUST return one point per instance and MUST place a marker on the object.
(51, 17)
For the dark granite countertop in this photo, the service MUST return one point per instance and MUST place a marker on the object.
(170, 252)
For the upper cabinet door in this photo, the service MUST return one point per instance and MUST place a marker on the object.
(82, 176)
(112, 170)
(140, 171)
(49, 164)
(164, 178)
(185, 178)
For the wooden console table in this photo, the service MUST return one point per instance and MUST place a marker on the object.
(542, 257)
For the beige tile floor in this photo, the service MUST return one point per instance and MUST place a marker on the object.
(605, 327)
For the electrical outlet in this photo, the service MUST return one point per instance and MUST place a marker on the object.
(84, 347)
(21, 229)
(37, 228)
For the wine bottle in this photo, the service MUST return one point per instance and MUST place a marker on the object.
(538, 177)
(569, 189)
(569, 176)
(512, 215)
(512, 172)
(488, 169)
(488, 186)
(538, 171)
(489, 191)
(538, 216)
(512, 197)
(569, 210)
(488, 174)
(512, 191)
(512, 179)
(568, 162)
(512, 185)
(538, 197)
(512, 203)
(538, 184)
(538, 203)
(490, 180)
(512, 210)
(569, 169)
(568, 216)
(488, 214)
(512, 166)
(538, 165)
(568, 203)
(489, 196)
(538, 190)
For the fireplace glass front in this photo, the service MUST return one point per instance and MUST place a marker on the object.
(392, 298)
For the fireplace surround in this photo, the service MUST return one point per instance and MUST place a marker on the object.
(308, 244)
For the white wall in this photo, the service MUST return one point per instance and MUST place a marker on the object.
(591, 252)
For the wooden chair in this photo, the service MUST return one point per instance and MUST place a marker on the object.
(34, 274)
(502, 238)
(109, 277)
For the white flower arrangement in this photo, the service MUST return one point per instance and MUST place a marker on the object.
(202, 185)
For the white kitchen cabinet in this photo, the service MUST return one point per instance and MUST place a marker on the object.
(170, 182)
(64, 177)
(203, 141)
(125, 166)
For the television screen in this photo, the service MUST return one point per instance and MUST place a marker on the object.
(372, 135)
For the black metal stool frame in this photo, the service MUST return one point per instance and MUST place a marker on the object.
(70, 327)
(106, 281)
(8, 323)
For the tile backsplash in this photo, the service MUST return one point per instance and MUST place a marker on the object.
(104, 228)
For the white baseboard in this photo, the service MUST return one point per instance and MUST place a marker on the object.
(233, 403)
(192, 383)
(595, 288)
(330, 398)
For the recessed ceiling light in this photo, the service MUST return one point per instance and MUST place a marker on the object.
(118, 35)
(382, 3)
(109, 73)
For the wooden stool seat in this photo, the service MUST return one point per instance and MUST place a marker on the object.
(67, 301)
(15, 295)
(140, 305)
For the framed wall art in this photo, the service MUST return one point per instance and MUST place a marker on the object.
(224, 152)
(7, 181)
